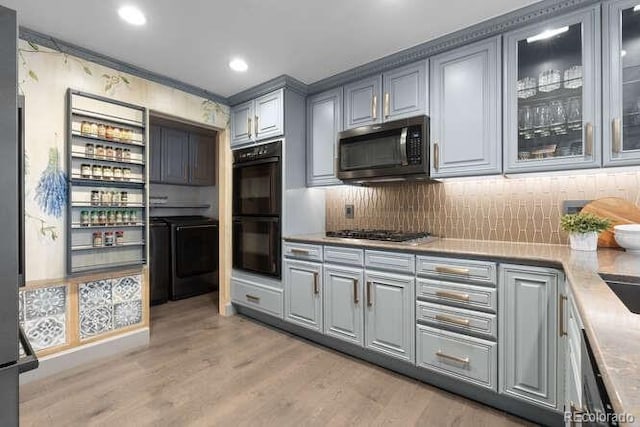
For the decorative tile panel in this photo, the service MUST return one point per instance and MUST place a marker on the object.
(521, 209)
(43, 316)
(108, 305)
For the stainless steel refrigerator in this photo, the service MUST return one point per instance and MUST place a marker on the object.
(11, 224)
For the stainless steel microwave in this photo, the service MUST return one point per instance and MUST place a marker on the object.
(396, 150)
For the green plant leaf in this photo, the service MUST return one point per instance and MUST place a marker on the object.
(106, 76)
(87, 70)
(124, 79)
(108, 87)
(34, 46)
(584, 223)
(33, 75)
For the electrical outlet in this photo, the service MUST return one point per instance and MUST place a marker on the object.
(573, 206)
(349, 211)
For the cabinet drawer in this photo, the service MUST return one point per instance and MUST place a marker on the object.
(469, 359)
(457, 294)
(458, 319)
(259, 297)
(392, 261)
(303, 251)
(340, 255)
(457, 269)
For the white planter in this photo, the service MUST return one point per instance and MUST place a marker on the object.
(584, 241)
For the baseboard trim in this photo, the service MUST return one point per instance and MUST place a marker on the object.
(488, 397)
(228, 310)
(59, 362)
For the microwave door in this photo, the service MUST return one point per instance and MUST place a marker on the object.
(374, 152)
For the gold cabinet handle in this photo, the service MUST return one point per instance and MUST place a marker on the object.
(374, 108)
(387, 106)
(561, 307)
(452, 295)
(252, 298)
(255, 126)
(249, 126)
(588, 136)
(452, 270)
(616, 136)
(369, 301)
(463, 360)
(355, 291)
(452, 319)
(436, 156)
(316, 288)
(299, 251)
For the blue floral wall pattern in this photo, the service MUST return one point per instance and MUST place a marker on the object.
(51, 192)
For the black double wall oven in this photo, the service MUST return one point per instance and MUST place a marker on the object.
(257, 209)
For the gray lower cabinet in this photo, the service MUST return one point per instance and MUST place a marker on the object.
(175, 156)
(343, 303)
(257, 296)
(303, 293)
(466, 111)
(528, 334)
(362, 103)
(324, 121)
(389, 314)
(201, 160)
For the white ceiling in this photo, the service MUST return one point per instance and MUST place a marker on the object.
(193, 40)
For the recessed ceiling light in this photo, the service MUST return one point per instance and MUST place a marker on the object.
(132, 15)
(547, 34)
(636, 8)
(239, 65)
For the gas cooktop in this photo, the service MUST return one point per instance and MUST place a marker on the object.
(383, 235)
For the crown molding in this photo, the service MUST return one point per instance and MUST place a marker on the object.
(107, 61)
(283, 81)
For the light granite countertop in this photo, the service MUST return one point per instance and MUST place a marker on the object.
(613, 331)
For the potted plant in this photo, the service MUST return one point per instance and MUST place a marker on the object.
(583, 229)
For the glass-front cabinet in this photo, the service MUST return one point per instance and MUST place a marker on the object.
(552, 94)
(621, 76)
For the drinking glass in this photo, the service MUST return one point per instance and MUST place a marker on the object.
(574, 114)
(527, 87)
(558, 117)
(542, 119)
(549, 80)
(573, 77)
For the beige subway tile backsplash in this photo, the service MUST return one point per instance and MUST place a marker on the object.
(522, 209)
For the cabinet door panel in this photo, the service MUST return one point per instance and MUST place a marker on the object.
(269, 115)
(155, 154)
(175, 156)
(201, 159)
(466, 111)
(363, 105)
(390, 314)
(553, 121)
(242, 124)
(303, 294)
(405, 91)
(324, 121)
(529, 334)
(343, 301)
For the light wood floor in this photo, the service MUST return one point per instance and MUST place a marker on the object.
(202, 369)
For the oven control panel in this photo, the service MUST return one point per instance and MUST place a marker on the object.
(414, 145)
(264, 151)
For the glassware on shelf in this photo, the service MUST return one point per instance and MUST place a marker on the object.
(525, 121)
(85, 128)
(549, 80)
(527, 87)
(119, 237)
(94, 129)
(97, 239)
(524, 155)
(108, 238)
(558, 117)
(89, 150)
(573, 77)
(85, 219)
(102, 131)
(97, 172)
(574, 113)
(95, 218)
(542, 120)
(99, 152)
(564, 151)
(85, 171)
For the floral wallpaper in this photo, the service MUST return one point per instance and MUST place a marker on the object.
(44, 77)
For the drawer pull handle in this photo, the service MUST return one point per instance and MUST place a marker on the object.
(452, 270)
(299, 251)
(316, 289)
(452, 319)
(355, 291)
(452, 295)
(561, 324)
(463, 360)
(252, 298)
(369, 301)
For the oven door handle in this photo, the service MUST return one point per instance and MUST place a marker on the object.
(403, 147)
(256, 162)
(255, 219)
(186, 227)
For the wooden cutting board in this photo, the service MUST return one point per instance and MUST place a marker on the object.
(619, 211)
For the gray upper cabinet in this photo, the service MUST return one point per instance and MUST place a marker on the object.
(324, 121)
(621, 83)
(343, 302)
(466, 107)
(389, 314)
(155, 154)
(528, 334)
(405, 91)
(175, 156)
(303, 294)
(362, 103)
(257, 120)
(399, 93)
(552, 104)
(269, 115)
(242, 124)
(201, 160)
